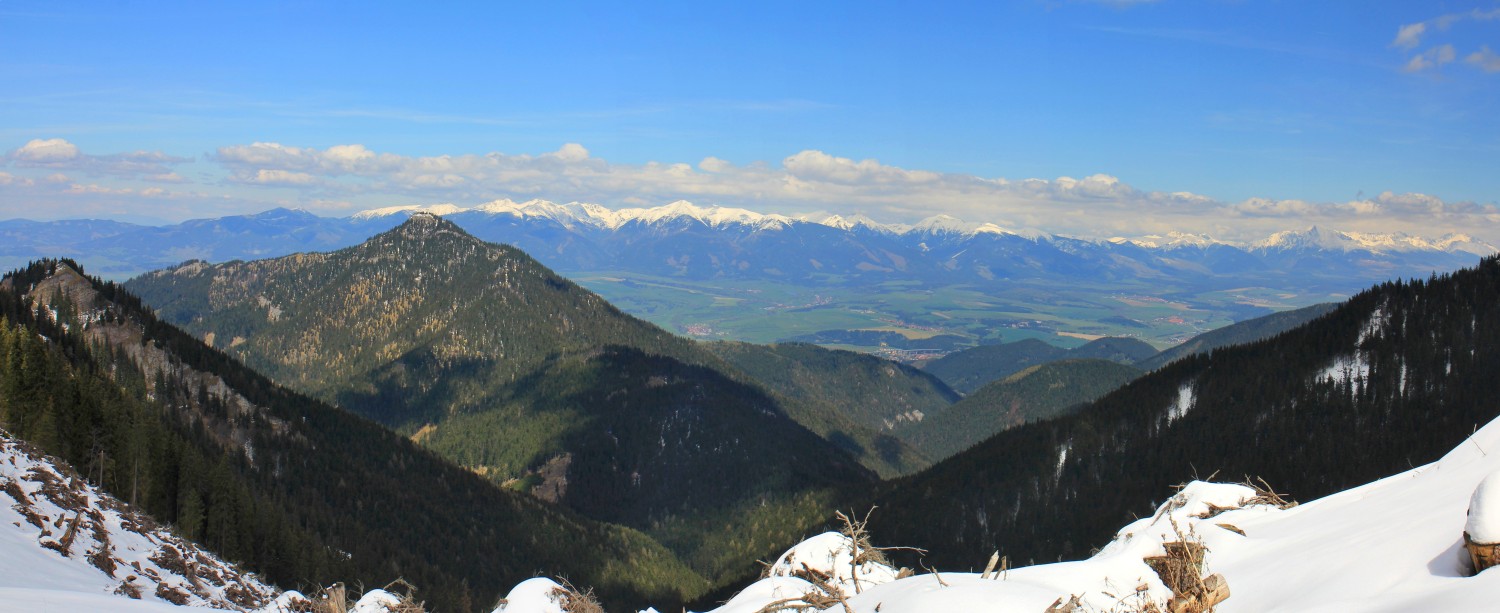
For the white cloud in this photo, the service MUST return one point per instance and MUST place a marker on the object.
(1095, 205)
(571, 152)
(273, 176)
(713, 164)
(45, 151)
(95, 188)
(349, 154)
(338, 178)
(819, 166)
(1485, 59)
(59, 154)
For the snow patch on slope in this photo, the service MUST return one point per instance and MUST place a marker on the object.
(1378, 321)
(1187, 398)
(1346, 369)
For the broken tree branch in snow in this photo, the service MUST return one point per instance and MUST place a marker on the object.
(1265, 495)
(990, 567)
(1058, 606)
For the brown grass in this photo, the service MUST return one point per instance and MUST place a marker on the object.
(574, 600)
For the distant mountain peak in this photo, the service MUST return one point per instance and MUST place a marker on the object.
(425, 226)
(422, 219)
(1170, 240)
(713, 217)
(950, 225)
(857, 220)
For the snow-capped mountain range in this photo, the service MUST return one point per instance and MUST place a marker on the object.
(575, 215)
(683, 240)
(584, 215)
(694, 244)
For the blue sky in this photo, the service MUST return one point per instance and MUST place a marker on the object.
(1210, 116)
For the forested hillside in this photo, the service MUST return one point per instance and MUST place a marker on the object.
(677, 450)
(300, 491)
(1040, 392)
(1391, 379)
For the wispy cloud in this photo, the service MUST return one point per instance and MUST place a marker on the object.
(1409, 37)
(1485, 59)
(1118, 3)
(1220, 38)
(1430, 59)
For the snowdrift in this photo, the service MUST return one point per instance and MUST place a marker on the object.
(1392, 545)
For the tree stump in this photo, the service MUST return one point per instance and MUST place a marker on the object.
(1483, 555)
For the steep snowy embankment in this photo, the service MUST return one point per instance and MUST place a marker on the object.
(1392, 545)
(65, 546)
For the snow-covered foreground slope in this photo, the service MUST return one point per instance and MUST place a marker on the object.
(1392, 545)
(65, 546)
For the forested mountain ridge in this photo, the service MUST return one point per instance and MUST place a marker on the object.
(480, 353)
(425, 322)
(678, 451)
(298, 490)
(970, 369)
(877, 393)
(1039, 392)
(1247, 331)
(1392, 378)
(375, 325)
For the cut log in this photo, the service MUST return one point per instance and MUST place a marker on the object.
(1215, 591)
